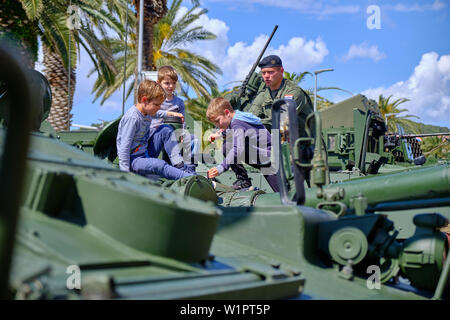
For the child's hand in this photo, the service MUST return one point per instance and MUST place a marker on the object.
(176, 114)
(214, 136)
(212, 173)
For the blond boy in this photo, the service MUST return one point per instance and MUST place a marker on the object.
(172, 106)
(138, 146)
(246, 138)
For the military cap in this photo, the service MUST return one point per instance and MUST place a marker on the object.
(270, 61)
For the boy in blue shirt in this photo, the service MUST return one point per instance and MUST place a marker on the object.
(173, 106)
(138, 147)
(247, 141)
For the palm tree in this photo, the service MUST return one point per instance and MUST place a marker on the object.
(169, 38)
(48, 21)
(154, 10)
(56, 62)
(390, 112)
(169, 35)
(296, 77)
(17, 29)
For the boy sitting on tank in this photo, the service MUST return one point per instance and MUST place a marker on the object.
(138, 146)
(172, 106)
(245, 140)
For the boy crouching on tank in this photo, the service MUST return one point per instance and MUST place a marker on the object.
(138, 146)
(245, 140)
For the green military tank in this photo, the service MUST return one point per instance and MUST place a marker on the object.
(75, 227)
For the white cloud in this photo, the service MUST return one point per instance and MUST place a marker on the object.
(400, 7)
(297, 55)
(300, 54)
(364, 51)
(428, 88)
(235, 60)
(213, 50)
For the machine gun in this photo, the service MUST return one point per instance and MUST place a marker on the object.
(420, 135)
(242, 97)
(243, 88)
(406, 148)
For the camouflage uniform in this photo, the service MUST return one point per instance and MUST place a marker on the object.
(262, 105)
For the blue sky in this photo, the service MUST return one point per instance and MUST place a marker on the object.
(408, 57)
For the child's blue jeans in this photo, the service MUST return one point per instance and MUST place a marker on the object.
(148, 163)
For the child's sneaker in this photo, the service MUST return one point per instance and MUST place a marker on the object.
(188, 168)
(242, 184)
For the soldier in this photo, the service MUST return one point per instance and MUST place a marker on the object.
(276, 87)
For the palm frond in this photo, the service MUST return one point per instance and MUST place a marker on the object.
(33, 8)
(169, 36)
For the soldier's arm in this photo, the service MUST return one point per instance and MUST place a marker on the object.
(304, 108)
(301, 100)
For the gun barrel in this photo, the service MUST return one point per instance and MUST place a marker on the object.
(418, 183)
(244, 84)
(265, 47)
(421, 183)
(423, 135)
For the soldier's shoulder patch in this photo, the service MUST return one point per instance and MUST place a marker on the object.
(289, 96)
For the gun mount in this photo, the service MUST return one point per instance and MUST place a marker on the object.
(358, 240)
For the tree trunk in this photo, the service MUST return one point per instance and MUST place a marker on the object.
(60, 113)
(154, 10)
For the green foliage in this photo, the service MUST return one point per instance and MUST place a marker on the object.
(428, 128)
(33, 8)
(297, 78)
(390, 112)
(48, 20)
(170, 37)
(197, 108)
(17, 29)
